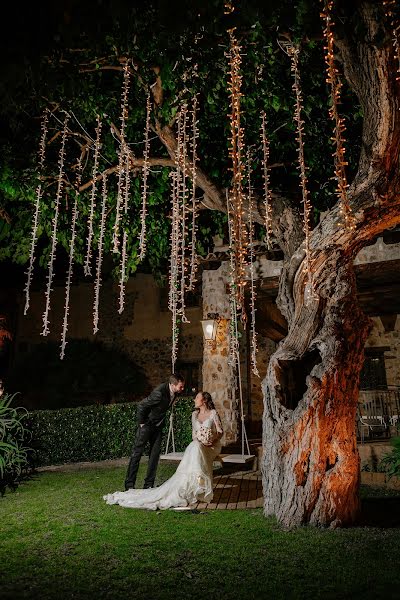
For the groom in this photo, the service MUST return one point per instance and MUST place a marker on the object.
(151, 413)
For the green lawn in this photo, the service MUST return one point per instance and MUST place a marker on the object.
(60, 540)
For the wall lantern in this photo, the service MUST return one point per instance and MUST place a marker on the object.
(210, 326)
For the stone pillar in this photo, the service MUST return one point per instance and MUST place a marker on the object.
(217, 376)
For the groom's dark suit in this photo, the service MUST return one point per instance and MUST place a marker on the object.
(151, 414)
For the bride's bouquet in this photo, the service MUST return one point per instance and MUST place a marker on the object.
(205, 435)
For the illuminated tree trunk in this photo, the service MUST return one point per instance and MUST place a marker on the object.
(311, 464)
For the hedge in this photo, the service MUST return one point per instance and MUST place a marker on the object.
(92, 433)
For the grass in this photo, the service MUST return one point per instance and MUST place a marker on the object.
(58, 539)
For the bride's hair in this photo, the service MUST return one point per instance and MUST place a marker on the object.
(208, 400)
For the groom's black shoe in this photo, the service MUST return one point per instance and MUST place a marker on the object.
(128, 487)
(147, 486)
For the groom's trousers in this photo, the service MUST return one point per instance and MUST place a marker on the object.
(151, 434)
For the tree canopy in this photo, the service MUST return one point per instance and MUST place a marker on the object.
(69, 57)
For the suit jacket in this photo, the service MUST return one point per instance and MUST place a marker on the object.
(153, 409)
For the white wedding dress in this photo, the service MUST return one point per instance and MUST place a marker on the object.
(191, 482)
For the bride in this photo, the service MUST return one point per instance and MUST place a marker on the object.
(192, 481)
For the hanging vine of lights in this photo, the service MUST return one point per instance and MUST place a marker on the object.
(71, 258)
(333, 80)
(123, 151)
(145, 174)
(236, 214)
(87, 268)
(293, 52)
(99, 261)
(390, 11)
(60, 185)
(182, 160)
(253, 333)
(193, 144)
(39, 194)
(174, 264)
(122, 279)
(266, 179)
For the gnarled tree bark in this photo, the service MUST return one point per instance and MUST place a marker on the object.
(311, 463)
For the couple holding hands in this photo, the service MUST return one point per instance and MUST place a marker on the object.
(192, 481)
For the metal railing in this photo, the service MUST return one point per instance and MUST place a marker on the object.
(378, 414)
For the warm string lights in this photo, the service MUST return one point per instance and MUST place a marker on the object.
(182, 161)
(236, 215)
(60, 185)
(293, 52)
(99, 261)
(193, 141)
(87, 267)
(39, 194)
(122, 278)
(123, 151)
(267, 187)
(253, 333)
(390, 11)
(174, 264)
(335, 84)
(145, 174)
(71, 259)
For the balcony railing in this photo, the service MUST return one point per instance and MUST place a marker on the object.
(378, 414)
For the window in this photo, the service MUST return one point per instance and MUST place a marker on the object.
(190, 372)
(373, 374)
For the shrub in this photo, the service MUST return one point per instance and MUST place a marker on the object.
(15, 455)
(391, 461)
(90, 372)
(92, 433)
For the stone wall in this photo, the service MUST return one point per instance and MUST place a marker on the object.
(379, 338)
(143, 330)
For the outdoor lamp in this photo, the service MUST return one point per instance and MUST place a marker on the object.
(209, 326)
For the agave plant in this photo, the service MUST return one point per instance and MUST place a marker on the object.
(14, 459)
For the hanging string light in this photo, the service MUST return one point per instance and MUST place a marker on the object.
(122, 279)
(333, 79)
(174, 265)
(239, 230)
(60, 184)
(87, 268)
(293, 52)
(253, 333)
(183, 216)
(145, 174)
(390, 11)
(267, 189)
(193, 143)
(71, 258)
(99, 261)
(123, 150)
(39, 194)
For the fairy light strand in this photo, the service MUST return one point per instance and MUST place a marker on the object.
(87, 267)
(122, 279)
(183, 215)
(60, 185)
(293, 52)
(193, 253)
(253, 333)
(239, 231)
(99, 261)
(39, 194)
(335, 84)
(174, 265)
(123, 150)
(266, 179)
(71, 259)
(145, 174)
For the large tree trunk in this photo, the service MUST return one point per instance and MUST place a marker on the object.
(311, 464)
